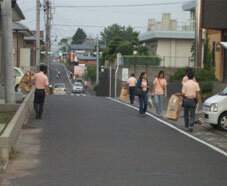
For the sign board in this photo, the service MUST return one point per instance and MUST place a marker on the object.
(125, 74)
(214, 14)
(79, 70)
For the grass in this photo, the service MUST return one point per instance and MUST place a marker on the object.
(14, 153)
(5, 117)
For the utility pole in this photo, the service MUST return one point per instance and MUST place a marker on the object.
(47, 31)
(37, 34)
(7, 39)
(198, 34)
(97, 61)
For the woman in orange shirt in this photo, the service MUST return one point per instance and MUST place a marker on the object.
(159, 90)
(142, 84)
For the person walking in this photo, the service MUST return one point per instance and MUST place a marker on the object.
(159, 91)
(85, 85)
(191, 94)
(132, 87)
(41, 90)
(142, 85)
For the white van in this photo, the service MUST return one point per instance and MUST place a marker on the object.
(215, 110)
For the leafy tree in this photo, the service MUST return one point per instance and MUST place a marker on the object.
(91, 73)
(64, 43)
(125, 48)
(207, 60)
(115, 30)
(79, 37)
(143, 50)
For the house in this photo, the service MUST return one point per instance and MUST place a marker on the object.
(30, 43)
(81, 50)
(172, 45)
(19, 32)
(86, 60)
(214, 21)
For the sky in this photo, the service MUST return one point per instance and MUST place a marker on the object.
(93, 20)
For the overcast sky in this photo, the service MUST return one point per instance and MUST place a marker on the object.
(134, 16)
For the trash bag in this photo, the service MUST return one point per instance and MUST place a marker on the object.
(150, 102)
(124, 94)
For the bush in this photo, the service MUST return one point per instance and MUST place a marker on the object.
(200, 75)
(96, 86)
(142, 60)
(206, 86)
(204, 75)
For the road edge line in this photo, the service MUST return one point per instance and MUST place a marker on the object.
(67, 74)
(177, 129)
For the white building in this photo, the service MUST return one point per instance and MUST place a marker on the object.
(173, 46)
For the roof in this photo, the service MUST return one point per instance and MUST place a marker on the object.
(16, 9)
(21, 28)
(81, 47)
(87, 58)
(32, 38)
(190, 5)
(153, 35)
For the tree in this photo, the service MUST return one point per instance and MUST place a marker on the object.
(64, 42)
(125, 48)
(79, 37)
(115, 30)
(207, 60)
(143, 50)
(91, 73)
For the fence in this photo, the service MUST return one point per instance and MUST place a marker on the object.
(156, 61)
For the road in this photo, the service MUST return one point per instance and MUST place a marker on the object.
(94, 141)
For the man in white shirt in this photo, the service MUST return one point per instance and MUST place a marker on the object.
(132, 86)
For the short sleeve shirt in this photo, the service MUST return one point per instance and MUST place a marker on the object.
(144, 84)
(185, 79)
(41, 80)
(190, 88)
(159, 84)
(132, 82)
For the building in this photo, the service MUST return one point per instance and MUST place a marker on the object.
(19, 32)
(30, 43)
(214, 21)
(167, 41)
(81, 50)
(86, 60)
(173, 46)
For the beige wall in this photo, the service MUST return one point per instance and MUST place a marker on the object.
(177, 52)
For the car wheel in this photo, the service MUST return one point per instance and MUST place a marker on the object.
(222, 122)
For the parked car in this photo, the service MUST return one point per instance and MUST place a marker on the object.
(59, 89)
(78, 87)
(215, 110)
(18, 77)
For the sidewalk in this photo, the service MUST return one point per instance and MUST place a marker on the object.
(203, 131)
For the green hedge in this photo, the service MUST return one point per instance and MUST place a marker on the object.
(142, 60)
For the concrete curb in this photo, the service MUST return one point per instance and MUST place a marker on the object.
(10, 135)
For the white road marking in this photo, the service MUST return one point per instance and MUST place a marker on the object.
(175, 128)
(77, 94)
(83, 94)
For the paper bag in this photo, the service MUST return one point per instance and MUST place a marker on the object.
(174, 106)
(124, 94)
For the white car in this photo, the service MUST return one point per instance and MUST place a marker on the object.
(215, 110)
(59, 89)
(78, 87)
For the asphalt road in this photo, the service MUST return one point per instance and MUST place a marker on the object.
(93, 141)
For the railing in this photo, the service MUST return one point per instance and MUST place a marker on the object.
(156, 61)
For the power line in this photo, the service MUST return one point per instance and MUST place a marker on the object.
(91, 26)
(117, 6)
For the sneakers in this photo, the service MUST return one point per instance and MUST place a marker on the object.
(190, 129)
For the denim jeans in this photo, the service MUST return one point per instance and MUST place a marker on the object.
(189, 112)
(158, 100)
(143, 103)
